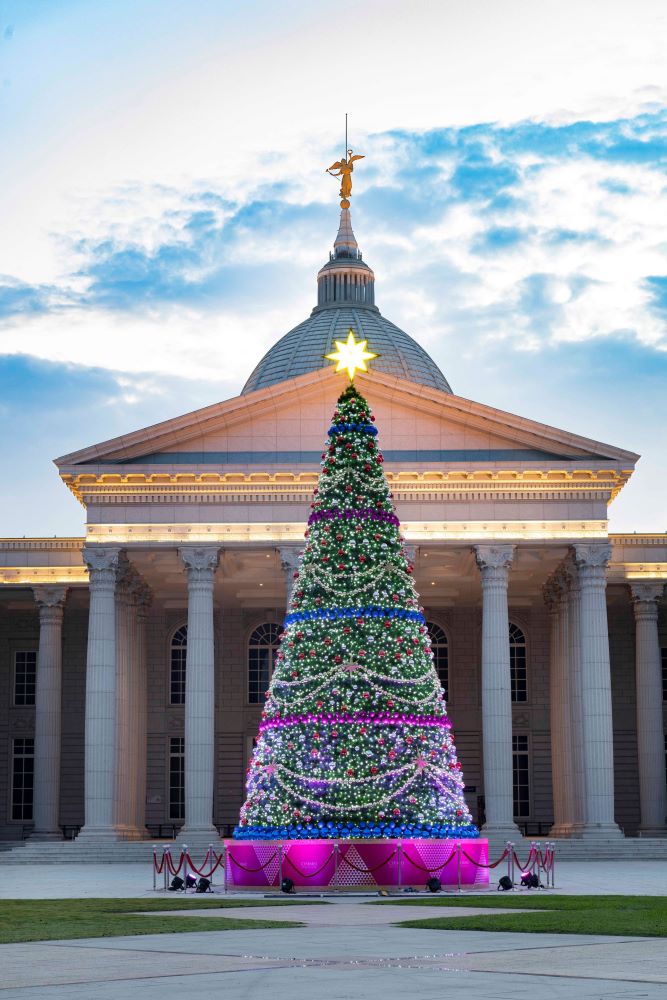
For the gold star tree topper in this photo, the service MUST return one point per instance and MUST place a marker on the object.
(351, 355)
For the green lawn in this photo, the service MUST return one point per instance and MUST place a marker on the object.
(64, 919)
(641, 916)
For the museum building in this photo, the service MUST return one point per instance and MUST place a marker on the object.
(134, 660)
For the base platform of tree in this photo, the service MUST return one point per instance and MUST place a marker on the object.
(355, 864)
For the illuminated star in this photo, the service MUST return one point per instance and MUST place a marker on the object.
(351, 355)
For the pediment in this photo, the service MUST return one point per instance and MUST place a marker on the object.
(286, 425)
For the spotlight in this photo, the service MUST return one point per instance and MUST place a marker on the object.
(505, 884)
(190, 881)
(203, 885)
(287, 885)
(176, 884)
(434, 884)
(529, 880)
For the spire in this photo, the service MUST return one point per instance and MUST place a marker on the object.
(345, 280)
(346, 244)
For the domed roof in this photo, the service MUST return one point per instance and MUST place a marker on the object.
(346, 301)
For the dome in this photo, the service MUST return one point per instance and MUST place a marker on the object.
(346, 301)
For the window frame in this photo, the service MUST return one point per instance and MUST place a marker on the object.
(525, 751)
(15, 653)
(13, 757)
(448, 646)
(170, 665)
(272, 664)
(512, 623)
(172, 755)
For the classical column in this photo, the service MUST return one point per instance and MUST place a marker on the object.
(650, 737)
(289, 560)
(140, 669)
(100, 741)
(123, 749)
(576, 733)
(48, 720)
(494, 562)
(561, 684)
(200, 564)
(596, 715)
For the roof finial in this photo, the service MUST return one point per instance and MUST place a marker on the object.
(345, 168)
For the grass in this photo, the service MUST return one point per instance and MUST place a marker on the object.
(637, 916)
(66, 919)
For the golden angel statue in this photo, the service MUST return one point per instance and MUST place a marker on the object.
(344, 168)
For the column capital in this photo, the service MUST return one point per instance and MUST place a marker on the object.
(200, 562)
(645, 597)
(50, 600)
(411, 552)
(494, 561)
(591, 558)
(102, 563)
(289, 557)
(144, 598)
(556, 590)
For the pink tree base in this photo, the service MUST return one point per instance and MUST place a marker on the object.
(354, 864)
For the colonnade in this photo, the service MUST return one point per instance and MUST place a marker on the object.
(580, 696)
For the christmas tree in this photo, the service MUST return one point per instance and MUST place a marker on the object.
(355, 741)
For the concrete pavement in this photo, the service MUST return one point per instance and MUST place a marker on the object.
(347, 950)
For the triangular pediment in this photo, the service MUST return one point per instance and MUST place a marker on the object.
(286, 425)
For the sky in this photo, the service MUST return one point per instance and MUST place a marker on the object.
(163, 199)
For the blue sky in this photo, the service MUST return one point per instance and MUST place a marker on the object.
(162, 191)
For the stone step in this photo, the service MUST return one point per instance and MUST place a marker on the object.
(130, 852)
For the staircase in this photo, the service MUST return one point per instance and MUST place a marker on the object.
(30, 852)
(74, 852)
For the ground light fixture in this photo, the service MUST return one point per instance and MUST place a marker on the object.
(529, 880)
(190, 881)
(287, 885)
(434, 884)
(176, 884)
(505, 884)
(203, 885)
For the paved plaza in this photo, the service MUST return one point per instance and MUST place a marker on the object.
(347, 949)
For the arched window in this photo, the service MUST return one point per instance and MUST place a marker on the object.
(262, 649)
(440, 647)
(518, 663)
(178, 652)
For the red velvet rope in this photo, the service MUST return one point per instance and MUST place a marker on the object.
(429, 870)
(368, 871)
(243, 867)
(308, 874)
(531, 857)
(158, 866)
(170, 863)
(480, 864)
(211, 854)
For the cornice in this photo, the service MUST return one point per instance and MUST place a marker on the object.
(42, 544)
(290, 487)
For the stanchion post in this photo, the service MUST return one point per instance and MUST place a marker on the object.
(184, 850)
(399, 878)
(508, 848)
(336, 885)
(280, 864)
(165, 866)
(458, 865)
(510, 845)
(225, 856)
(553, 865)
(154, 866)
(210, 856)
